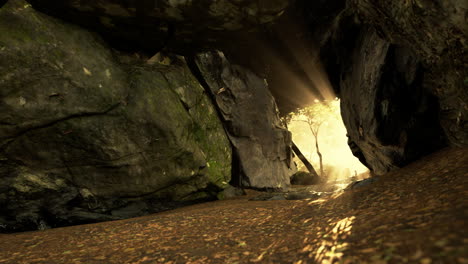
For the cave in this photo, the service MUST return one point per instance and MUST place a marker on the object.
(271, 131)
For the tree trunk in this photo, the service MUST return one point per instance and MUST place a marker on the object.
(320, 156)
(299, 154)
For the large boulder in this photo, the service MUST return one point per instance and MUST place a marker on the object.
(390, 117)
(388, 106)
(149, 24)
(399, 69)
(304, 178)
(262, 144)
(436, 32)
(89, 135)
(403, 87)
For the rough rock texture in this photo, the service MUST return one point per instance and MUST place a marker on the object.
(388, 114)
(405, 79)
(304, 178)
(384, 86)
(262, 145)
(150, 24)
(231, 192)
(84, 137)
(399, 69)
(437, 32)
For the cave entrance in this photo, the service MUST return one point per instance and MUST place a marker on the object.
(321, 125)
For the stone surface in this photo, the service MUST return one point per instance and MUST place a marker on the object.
(404, 80)
(262, 145)
(386, 86)
(361, 183)
(231, 192)
(420, 80)
(388, 113)
(89, 135)
(304, 178)
(436, 32)
(150, 25)
(399, 69)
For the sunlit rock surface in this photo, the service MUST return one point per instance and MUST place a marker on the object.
(149, 24)
(86, 137)
(262, 144)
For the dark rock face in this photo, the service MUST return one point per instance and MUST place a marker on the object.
(398, 69)
(86, 137)
(436, 32)
(231, 192)
(261, 143)
(388, 114)
(150, 25)
(404, 81)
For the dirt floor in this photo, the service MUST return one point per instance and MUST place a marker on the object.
(417, 214)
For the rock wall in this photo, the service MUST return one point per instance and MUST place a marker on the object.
(90, 135)
(400, 73)
(179, 25)
(390, 117)
(260, 141)
(403, 87)
(436, 32)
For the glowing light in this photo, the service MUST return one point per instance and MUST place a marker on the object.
(340, 165)
(294, 62)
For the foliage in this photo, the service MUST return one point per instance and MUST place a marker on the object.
(316, 115)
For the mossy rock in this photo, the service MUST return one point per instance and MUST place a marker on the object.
(75, 116)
